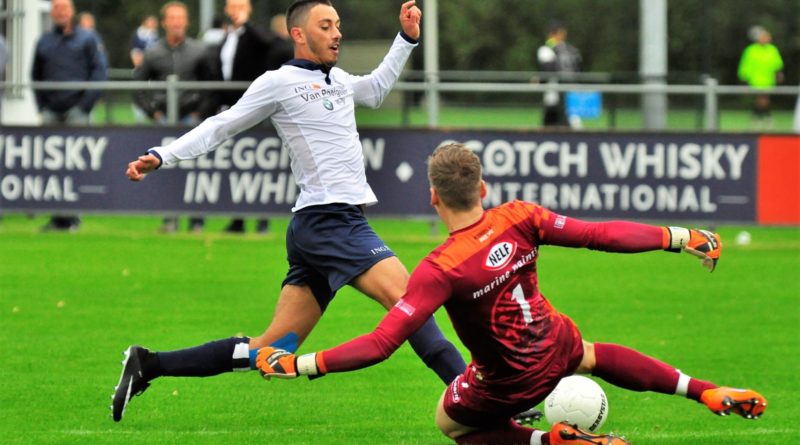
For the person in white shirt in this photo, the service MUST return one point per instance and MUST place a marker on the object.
(329, 242)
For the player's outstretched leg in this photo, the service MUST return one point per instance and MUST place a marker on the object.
(744, 402)
(561, 433)
(635, 371)
(142, 366)
(132, 381)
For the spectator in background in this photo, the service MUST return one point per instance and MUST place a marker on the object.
(246, 53)
(282, 49)
(761, 67)
(185, 57)
(86, 21)
(558, 58)
(67, 53)
(3, 57)
(145, 36)
(3, 61)
(174, 54)
(216, 34)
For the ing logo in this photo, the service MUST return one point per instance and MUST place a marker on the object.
(500, 255)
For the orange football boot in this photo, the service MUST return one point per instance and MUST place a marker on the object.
(744, 402)
(561, 433)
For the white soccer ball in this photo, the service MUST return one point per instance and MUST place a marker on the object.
(577, 400)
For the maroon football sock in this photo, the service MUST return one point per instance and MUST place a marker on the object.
(635, 371)
(696, 388)
(509, 434)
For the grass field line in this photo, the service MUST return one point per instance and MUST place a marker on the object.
(789, 432)
(137, 432)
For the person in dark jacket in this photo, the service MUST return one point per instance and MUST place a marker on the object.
(174, 54)
(67, 53)
(185, 57)
(246, 53)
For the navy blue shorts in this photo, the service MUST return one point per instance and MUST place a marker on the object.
(328, 246)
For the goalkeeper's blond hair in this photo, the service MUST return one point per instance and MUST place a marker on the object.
(455, 172)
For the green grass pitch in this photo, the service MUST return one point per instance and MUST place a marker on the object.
(70, 303)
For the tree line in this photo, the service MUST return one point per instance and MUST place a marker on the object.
(705, 37)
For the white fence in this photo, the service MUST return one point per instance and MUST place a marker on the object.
(710, 91)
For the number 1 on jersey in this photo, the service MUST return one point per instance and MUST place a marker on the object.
(519, 296)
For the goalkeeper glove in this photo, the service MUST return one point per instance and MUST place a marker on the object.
(701, 243)
(278, 363)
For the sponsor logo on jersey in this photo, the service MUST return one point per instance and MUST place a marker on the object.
(499, 255)
(405, 307)
(485, 235)
(327, 104)
(560, 221)
(454, 390)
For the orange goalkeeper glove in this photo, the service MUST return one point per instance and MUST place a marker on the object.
(701, 243)
(281, 364)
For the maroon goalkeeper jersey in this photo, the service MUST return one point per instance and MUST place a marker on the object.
(485, 277)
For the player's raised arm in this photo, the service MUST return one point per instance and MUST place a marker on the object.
(410, 17)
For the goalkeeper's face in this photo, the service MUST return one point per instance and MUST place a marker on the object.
(322, 34)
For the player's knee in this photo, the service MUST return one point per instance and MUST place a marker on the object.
(588, 361)
(447, 427)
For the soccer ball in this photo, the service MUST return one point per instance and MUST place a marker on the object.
(577, 401)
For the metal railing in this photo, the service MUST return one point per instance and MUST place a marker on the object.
(710, 90)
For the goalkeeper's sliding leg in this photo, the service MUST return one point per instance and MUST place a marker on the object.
(632, 370)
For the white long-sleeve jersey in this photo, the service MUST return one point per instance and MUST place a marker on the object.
(314, 115)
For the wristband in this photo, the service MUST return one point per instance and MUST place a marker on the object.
(156, 154)
(676, 238)
(408, 38)
(307, 364)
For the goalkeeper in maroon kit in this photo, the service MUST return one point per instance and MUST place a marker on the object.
(485, 276)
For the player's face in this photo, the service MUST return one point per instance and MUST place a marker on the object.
(322, 34)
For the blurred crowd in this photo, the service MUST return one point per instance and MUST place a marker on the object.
(235, 49)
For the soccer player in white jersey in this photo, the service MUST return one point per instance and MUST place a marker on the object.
(329, 242)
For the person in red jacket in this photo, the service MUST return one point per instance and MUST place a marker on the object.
(485, 276)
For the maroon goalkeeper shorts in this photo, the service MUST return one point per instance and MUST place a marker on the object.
(475, 400)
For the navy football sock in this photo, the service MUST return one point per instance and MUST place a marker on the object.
(437, 352)
(212, 358)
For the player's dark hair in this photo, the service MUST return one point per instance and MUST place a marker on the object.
(297, 14)
(455, 172)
